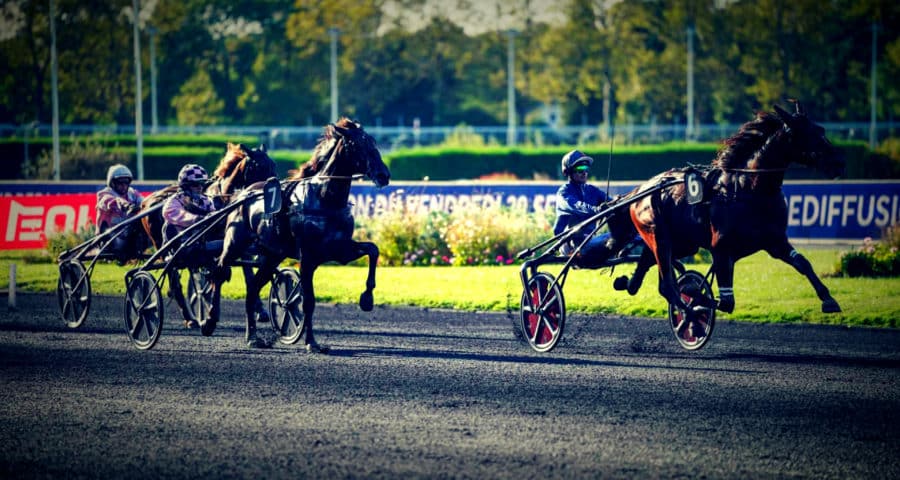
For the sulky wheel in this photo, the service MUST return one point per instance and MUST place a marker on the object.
(543, 313)
(201, 295)
(144, 311)
(73, 291)
(693, 330)
(286, 306)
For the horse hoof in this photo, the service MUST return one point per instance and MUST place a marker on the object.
(190, 324)
(726, 305)
(257, 343)
(316, 348)
(831, 306)
(620, 283)
(366, 301)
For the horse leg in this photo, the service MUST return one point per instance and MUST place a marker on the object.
(252, 303)
(786, 253)
(178, 295)
(261, 313)
(724, 268)
(633, 284)
(354, 251)
(307, 269)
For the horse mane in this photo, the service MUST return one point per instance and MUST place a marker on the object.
(319, 156)
(739, 148)
(233, 156)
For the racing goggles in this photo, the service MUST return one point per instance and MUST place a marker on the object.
(583, 169)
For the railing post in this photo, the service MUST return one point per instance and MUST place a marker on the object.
(12, 287)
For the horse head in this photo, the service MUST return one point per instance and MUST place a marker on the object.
(808, 143)
(242, 166)
(359, 147)
(345, 150)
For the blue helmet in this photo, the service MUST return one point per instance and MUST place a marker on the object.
(573, 159)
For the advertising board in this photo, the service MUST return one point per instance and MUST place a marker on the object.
(838, 211)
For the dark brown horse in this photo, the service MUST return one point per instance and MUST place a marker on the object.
(240, 167)
(743, 210)
(314, 224)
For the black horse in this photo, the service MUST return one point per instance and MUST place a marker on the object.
(314, 225)
(743, 210)
(240, 167)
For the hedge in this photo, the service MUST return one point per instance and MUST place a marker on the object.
(628, 163)
(164, 156)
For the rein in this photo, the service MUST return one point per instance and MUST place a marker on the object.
(754, 170)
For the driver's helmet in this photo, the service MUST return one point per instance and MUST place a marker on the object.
(574, 159)
(116, 172)
(192, 174)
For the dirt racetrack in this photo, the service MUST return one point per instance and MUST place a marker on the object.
(409, 393)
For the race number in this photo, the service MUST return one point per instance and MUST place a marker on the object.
(694, 186)
(272, 196)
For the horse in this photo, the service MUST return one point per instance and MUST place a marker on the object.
(314, 224)
(743, 209)
(240, 167)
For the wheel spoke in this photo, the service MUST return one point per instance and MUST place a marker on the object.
(149, 326)
(136, 326)
(149, 306)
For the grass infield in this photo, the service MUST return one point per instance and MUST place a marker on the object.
(766, 290)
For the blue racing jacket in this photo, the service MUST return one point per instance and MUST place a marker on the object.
(576, 203)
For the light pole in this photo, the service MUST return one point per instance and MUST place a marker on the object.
(873, 139)
(138, 111)
(154, 120)
(511, 87)
(689, 131)
(333, 33)
(54, 81)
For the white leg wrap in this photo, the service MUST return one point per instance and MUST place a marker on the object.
(726, 292)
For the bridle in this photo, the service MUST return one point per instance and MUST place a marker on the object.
(331, 161)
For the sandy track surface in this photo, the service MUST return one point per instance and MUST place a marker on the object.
(410, 393)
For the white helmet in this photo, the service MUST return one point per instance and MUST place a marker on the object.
(116, 172)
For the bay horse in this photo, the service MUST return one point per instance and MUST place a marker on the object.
(743, 210)
(314, 225)
(240, 167)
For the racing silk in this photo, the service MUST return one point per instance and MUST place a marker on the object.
(184, 209)
(576, 203)
(112, 208)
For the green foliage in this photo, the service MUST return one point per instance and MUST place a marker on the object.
(464, 136)
(81, 159)
(464, 237)
(629, 163)
(59, 242)
(409, 239)
(198, 103)
(873, 259)
(267, 62)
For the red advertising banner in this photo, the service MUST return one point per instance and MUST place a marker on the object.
(27, 221)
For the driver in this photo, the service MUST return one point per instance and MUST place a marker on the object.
(116, 203)
(189, 205)
(577, 201)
